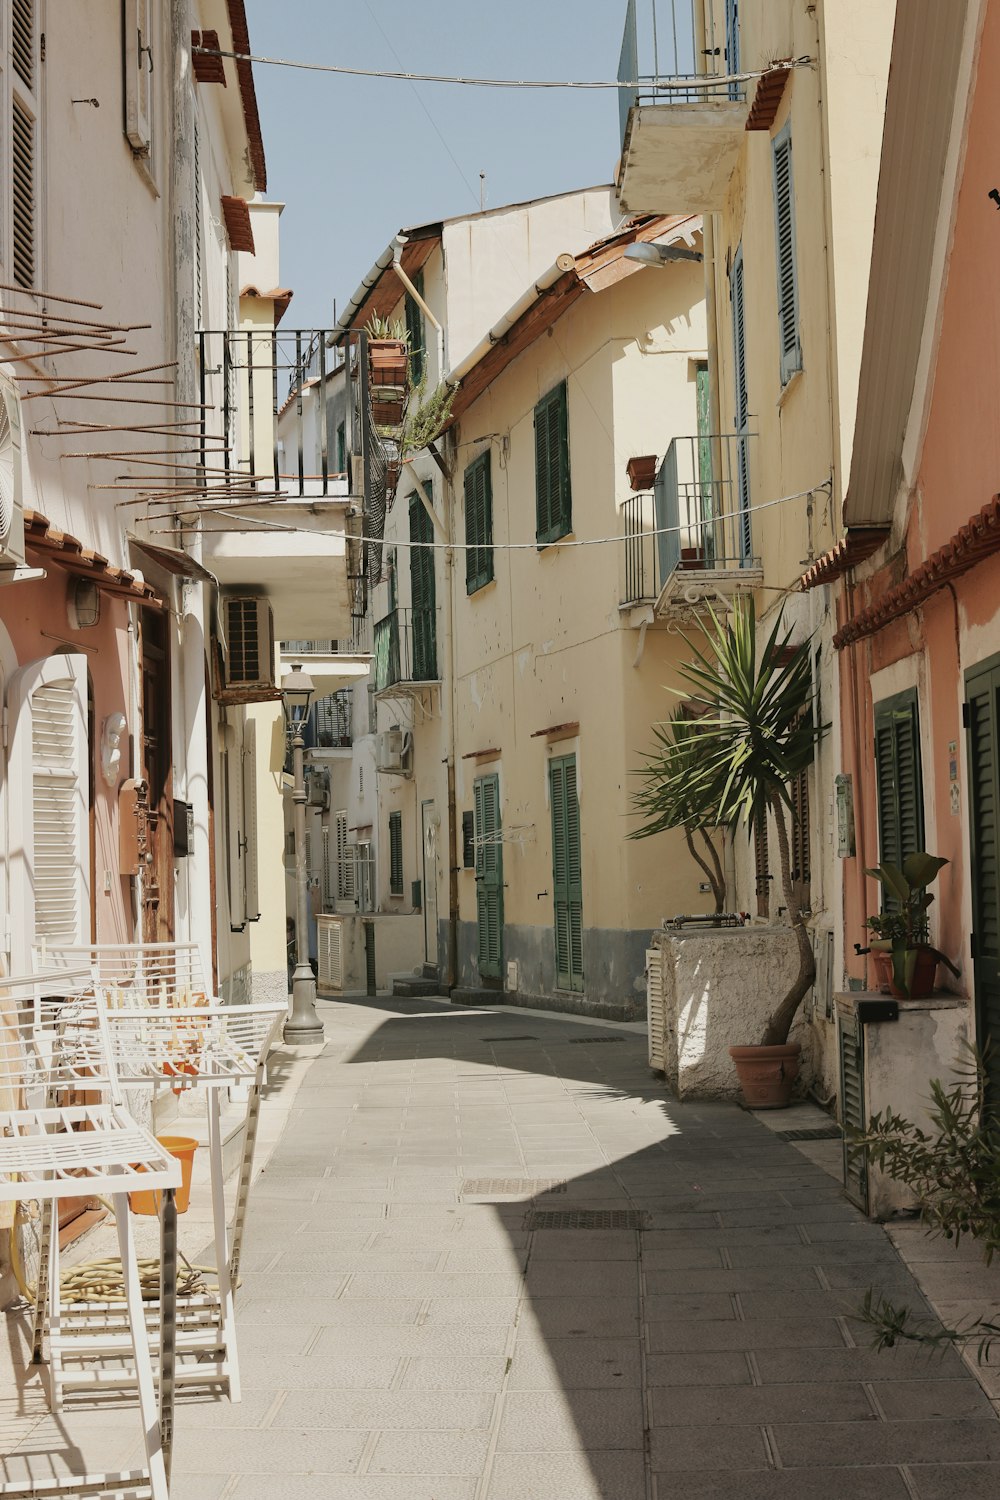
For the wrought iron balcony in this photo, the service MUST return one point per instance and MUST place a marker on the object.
(405, 649)
(689, 540)
(682, 118)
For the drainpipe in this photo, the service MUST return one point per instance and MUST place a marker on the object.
(397, 266)
(448, 707)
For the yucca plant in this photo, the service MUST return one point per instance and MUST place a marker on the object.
(755, 732)
(664, 798)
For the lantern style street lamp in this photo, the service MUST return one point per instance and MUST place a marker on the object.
(303, 1025)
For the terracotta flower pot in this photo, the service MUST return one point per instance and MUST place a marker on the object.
(387, 413)
(387, 362)
(766, 1074)
(924, 974)
(642, 471)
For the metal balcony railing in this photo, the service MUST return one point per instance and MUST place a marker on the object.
(680, 43)
(695, 520)
(357, 645)
(248, 376)
(331, 720)
(405, 648)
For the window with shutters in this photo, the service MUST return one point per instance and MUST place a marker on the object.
(415, 331)
(137, 76)
(789, 339)
(553, 500)
(423, 596)
(489, 874)
(761, 867)
(20, 90)
(468, 841)
(741, 415)
(567, 872)
(395, 854)
(479, 523)
(799, 842)
(899, 780)
(235, 836)
(346, 883)
(48, 806)
(251, 888)
(982, 723)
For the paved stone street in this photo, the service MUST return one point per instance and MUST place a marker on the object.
(445, 1296)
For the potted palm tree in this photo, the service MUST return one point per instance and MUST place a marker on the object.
(665, 799)
(756, 732)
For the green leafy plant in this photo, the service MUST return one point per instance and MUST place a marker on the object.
(422, 425)
(666, 801)
(756, 732)
(904, 926)
(954, 1171)
(381, 328)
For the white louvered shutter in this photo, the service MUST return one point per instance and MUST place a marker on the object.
(655, 1017)
(251, 885)
(233, 767)
(49, 806)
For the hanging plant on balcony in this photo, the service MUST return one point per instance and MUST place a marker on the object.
(425, 423)
(755, 733)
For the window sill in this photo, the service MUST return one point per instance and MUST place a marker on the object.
(790, 385)
(550, 541)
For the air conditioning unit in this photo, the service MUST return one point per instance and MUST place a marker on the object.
(329, 953)
(392, 751)
(249, 642)
(11, 492)
(318, 791)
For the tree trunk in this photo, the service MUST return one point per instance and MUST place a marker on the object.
(780, 1021)
(719, 878)
(710, 873)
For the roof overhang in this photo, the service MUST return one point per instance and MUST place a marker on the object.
(66, 551)
(856, 547)
(927, 49)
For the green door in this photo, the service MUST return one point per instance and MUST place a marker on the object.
(982, 719)
(423, 614)
(567, 876)
(489, 875)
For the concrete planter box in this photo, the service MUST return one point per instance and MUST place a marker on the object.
(718, 988)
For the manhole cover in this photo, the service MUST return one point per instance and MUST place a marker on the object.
(508, 1039)
(582, 1041)
(516, 1187)
(823, 1133)
(587, 1218)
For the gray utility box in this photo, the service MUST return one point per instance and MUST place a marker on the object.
(889, 1052)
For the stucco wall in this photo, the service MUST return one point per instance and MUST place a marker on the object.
(719, 989)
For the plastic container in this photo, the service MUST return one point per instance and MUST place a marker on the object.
(183, 1147)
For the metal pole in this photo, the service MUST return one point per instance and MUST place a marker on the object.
(303, 1025)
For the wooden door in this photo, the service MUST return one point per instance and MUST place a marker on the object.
(158, 880)
(489, 875)
(567, 873)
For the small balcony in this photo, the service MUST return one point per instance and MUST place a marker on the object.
(332, 664)
(689, 540)
(683, 122)
(404, 657)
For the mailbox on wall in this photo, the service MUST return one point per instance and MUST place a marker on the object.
(183, 829)
(133, 826)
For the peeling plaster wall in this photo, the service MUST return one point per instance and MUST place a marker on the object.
(719, 988)
(614, 962)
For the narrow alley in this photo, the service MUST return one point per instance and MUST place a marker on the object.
(491, 1259)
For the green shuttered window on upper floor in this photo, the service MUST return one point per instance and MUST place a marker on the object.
(415, 331)
(899, 778)
(479, 523)
(789, 336)
(395, 854)
(553, 500)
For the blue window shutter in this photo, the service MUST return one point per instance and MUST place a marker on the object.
(789, 339)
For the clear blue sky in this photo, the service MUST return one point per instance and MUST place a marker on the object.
(356, 159)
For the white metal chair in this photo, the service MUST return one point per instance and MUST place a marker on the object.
(64, 1127)
(166, 1030)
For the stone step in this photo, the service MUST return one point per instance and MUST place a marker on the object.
(463, 995)
(415, 989)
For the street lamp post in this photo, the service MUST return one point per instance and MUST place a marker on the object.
(303, 1025)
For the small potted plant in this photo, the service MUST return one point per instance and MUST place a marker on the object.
(388, 358)
(904, 959)
(642, 472)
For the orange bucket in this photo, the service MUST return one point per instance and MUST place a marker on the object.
(183, 1147)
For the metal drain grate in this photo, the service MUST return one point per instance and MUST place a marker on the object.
(582, 1041)
(518, 1187)
(508, 1039)
(587, 1218)
(823, 1133)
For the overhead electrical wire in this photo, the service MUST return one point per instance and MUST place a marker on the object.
(686, 84)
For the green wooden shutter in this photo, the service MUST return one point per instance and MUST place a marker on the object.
(741, 416)
(789, 341)
(479, 523)
(553, 498)
(489, 874)
(395, 854)
(416, 332)
(423, 601)
(567, 875)
(898, 777)
(983, 727)
(852, 1095)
